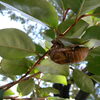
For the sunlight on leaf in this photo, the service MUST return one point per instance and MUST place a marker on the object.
(55, 78)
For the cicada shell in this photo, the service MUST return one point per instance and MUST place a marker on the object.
(68, 55)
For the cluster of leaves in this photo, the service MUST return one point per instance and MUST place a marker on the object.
(16, 45)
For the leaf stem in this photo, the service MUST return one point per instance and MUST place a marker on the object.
(65, 13)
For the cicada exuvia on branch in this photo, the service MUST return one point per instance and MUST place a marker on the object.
(67, 55)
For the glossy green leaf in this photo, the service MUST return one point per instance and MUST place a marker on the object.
(55, 78)
(1, 94)
(8, 93)
(81, 6)
(39, 49)
(25, 87)
(97, 12)
(96, 78)
(40, 9)
(49, 34)
(92, 33)
(44, 92)
(76, 31)
(94, 64)
(15, 67)
(83, 81)
(15, 44)
(48, 66)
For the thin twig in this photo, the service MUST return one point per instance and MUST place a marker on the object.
(31, 76)
(65, 13)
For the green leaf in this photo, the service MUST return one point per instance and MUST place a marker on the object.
(95, 52)
(88, 5)
(15, 67)
(25, 87)
(55, 78)
(8, 93)
(49, 34)
(76, 31)
(73, 4)
(39, 49)
(81, 6)
(15, 44)
(55, 98)
(97, 12)
(83, 81)
(64, 25)
(40, 9)
(71, 41)
(93, 61)
(1, 94)
(92, 43)
(48, 45)
(96, 78)
(6, 75)
(92, 33)
(93, 65)
(48, 66)
(44, 92)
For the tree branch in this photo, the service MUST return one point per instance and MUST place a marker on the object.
(17, 98)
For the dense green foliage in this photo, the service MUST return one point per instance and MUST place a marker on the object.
(67, 18)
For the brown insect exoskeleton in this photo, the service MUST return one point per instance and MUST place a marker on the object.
(67, 55)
